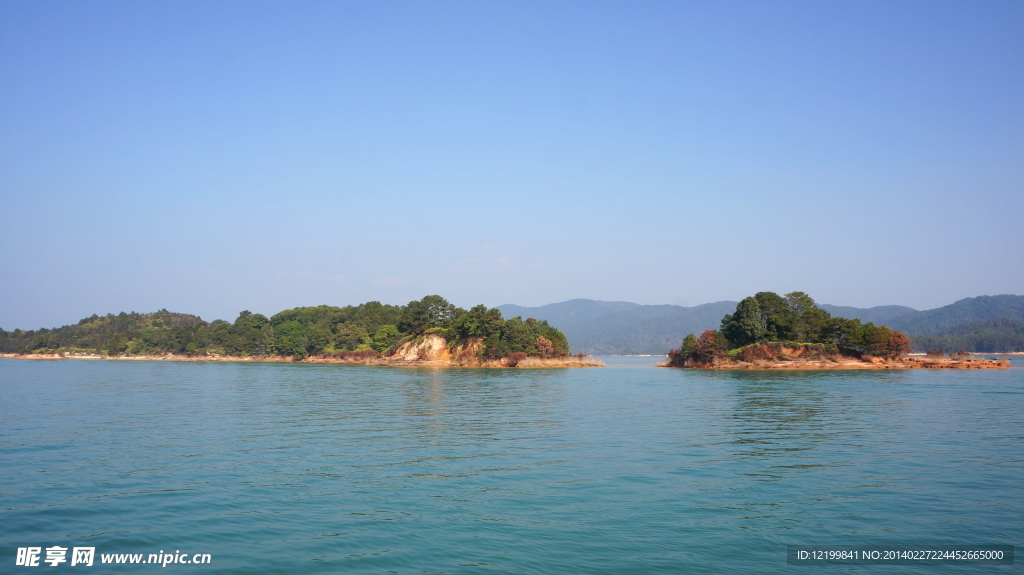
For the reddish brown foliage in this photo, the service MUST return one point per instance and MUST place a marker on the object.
(544, 347)
(772, 351)
(355, 355)
(514, 359)
(710, 345)
(890, 343)
(899, 344)
(754, 353)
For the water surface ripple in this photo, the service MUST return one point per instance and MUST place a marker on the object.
(281, 468)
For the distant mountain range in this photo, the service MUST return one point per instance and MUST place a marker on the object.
(880, 315)
(983, 324)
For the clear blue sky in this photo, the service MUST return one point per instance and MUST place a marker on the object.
(210, 157)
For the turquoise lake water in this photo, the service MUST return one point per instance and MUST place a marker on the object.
(292, 468)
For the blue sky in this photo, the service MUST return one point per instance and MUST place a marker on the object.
(210, 157)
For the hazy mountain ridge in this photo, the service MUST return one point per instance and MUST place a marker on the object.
(963, 311)
(569, 311)
(625, 328)
(878, 315)
(608, 328)
(991, 335)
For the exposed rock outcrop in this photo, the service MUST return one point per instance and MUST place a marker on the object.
(803, 358)
(433, 350)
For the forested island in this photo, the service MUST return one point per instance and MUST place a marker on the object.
(769, 331)
(427, 331)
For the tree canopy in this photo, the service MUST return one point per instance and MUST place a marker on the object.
(767, 318)
(299, 332)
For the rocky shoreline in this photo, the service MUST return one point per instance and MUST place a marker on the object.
(427, 351)
(851, 363)
(178, 357)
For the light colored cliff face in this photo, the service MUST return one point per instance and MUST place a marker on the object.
(430, 347)
(433, 350)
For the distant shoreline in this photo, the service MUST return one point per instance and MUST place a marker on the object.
(500, 363)
(848, 363)
(922, 354)
(175, 357)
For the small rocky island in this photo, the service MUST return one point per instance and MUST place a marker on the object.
(430, 331)
(769, 331)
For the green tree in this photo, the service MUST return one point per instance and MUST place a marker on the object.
(689, 345)
(295, 346)
(776, 316)
(746, 326)
(351, 335)
(808, 319)
(841, 332)
(559, 344)
(477, 322)
(317, 340)
(429, 312)
(518, 336)
(385, 338)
